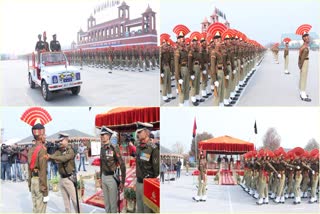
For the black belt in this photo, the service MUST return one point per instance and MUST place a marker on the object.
(108, 173)
(220, 67)
(306, 59)
(140, 180)
(196, 63)
(66, 176)
(34, 174)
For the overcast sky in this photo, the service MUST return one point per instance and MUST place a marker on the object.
(296, 126)
(63, 118)
(21, 21)
(261, 20)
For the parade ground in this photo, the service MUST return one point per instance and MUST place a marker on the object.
(176, 196)
(269, 86)
(15, 197)
(99, 88)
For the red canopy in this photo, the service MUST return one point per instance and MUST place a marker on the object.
(125, 118)
(226, 144)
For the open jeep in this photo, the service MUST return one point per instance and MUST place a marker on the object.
(51, 71)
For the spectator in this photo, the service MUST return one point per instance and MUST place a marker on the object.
(16, 168)
(219, 161)
(178, 164)
(5, 165)
(23, 156)
(82, 152)
(132, 148)
(163, 170)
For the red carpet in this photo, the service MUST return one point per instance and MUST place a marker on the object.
(227, 178)
(97, 199)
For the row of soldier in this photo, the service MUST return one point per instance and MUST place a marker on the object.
(134, 58)
(225, 56)
(279, 175)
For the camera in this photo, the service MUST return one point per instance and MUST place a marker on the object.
(52, 147)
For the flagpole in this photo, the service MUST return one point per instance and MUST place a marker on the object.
(196, 149)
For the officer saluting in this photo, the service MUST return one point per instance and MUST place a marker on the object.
(65, 159)
(55, 44)
(37, 181)
(147, 163)
(110, 158)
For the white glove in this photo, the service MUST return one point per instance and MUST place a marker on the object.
(241, 66)
(279, 176)
(162, 75)
(313, 172)
(298, 167)
(192, 77)
(180, 81)
(202, 181)
(204, 72)
(227, 77)
(234, 71)
(46, 199)
(216, 83)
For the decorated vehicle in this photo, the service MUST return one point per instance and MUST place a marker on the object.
(51, 71)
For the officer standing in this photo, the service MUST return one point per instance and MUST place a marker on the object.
(286, 55)
(64, 157)
(37, 181)
(303, 66)
(110, 158)
(55, 44)
(147, 163)
(40, 44)
(202, 178)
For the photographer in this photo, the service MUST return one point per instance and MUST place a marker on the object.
(64, 156)
(5, 165)
(51, 165)
(16, 169)
(23, 156)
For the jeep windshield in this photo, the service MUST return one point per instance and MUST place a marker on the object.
(53, 58)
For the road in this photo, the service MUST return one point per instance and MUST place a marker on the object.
(176, 196)
(269, 86)
(100, 88)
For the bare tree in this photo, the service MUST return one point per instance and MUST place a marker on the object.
(178, 148)
(199, 137)
(312, 144)
(271, 139)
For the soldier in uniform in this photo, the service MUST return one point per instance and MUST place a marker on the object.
(202, 179)
(181, 65)
(147, 163)
(204, 70)
(37, 161)
(54, 44)
(303, 66)
(64, 157)
(315, 176)
(286, 55)
(45, 43)
(40, 44)
(165, 59)
(110, 159)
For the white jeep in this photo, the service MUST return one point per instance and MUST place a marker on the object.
(51, 71)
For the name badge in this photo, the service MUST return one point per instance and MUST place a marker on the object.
(145, 156)
(109, 153)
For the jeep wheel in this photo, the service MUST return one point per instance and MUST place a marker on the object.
(75, 90)
(31, 83)
(46, 94)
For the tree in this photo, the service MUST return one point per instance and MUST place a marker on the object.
(271, 139)
(312, 144)
(178, 148)
(199, 137)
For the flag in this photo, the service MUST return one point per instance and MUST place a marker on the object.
(194, 132)
(255, 127)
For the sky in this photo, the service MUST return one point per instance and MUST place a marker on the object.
(296, 126)
(63, 118)
(261, 20)
(21, 21)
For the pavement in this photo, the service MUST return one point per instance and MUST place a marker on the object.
(176, 196)
(269, 86)
(99, 88)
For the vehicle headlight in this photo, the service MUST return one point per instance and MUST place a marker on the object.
(72, 75)
(77, 76)
(61, 76)
(54, 79)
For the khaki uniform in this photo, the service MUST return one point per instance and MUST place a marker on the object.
(303, 66)
(165, 60)
(37, 181)
(217, 66)
(286, 59)
(110, 158)
(202, 178)
(195, 63)
(147, 166)
(182, 72)
(66, 166)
